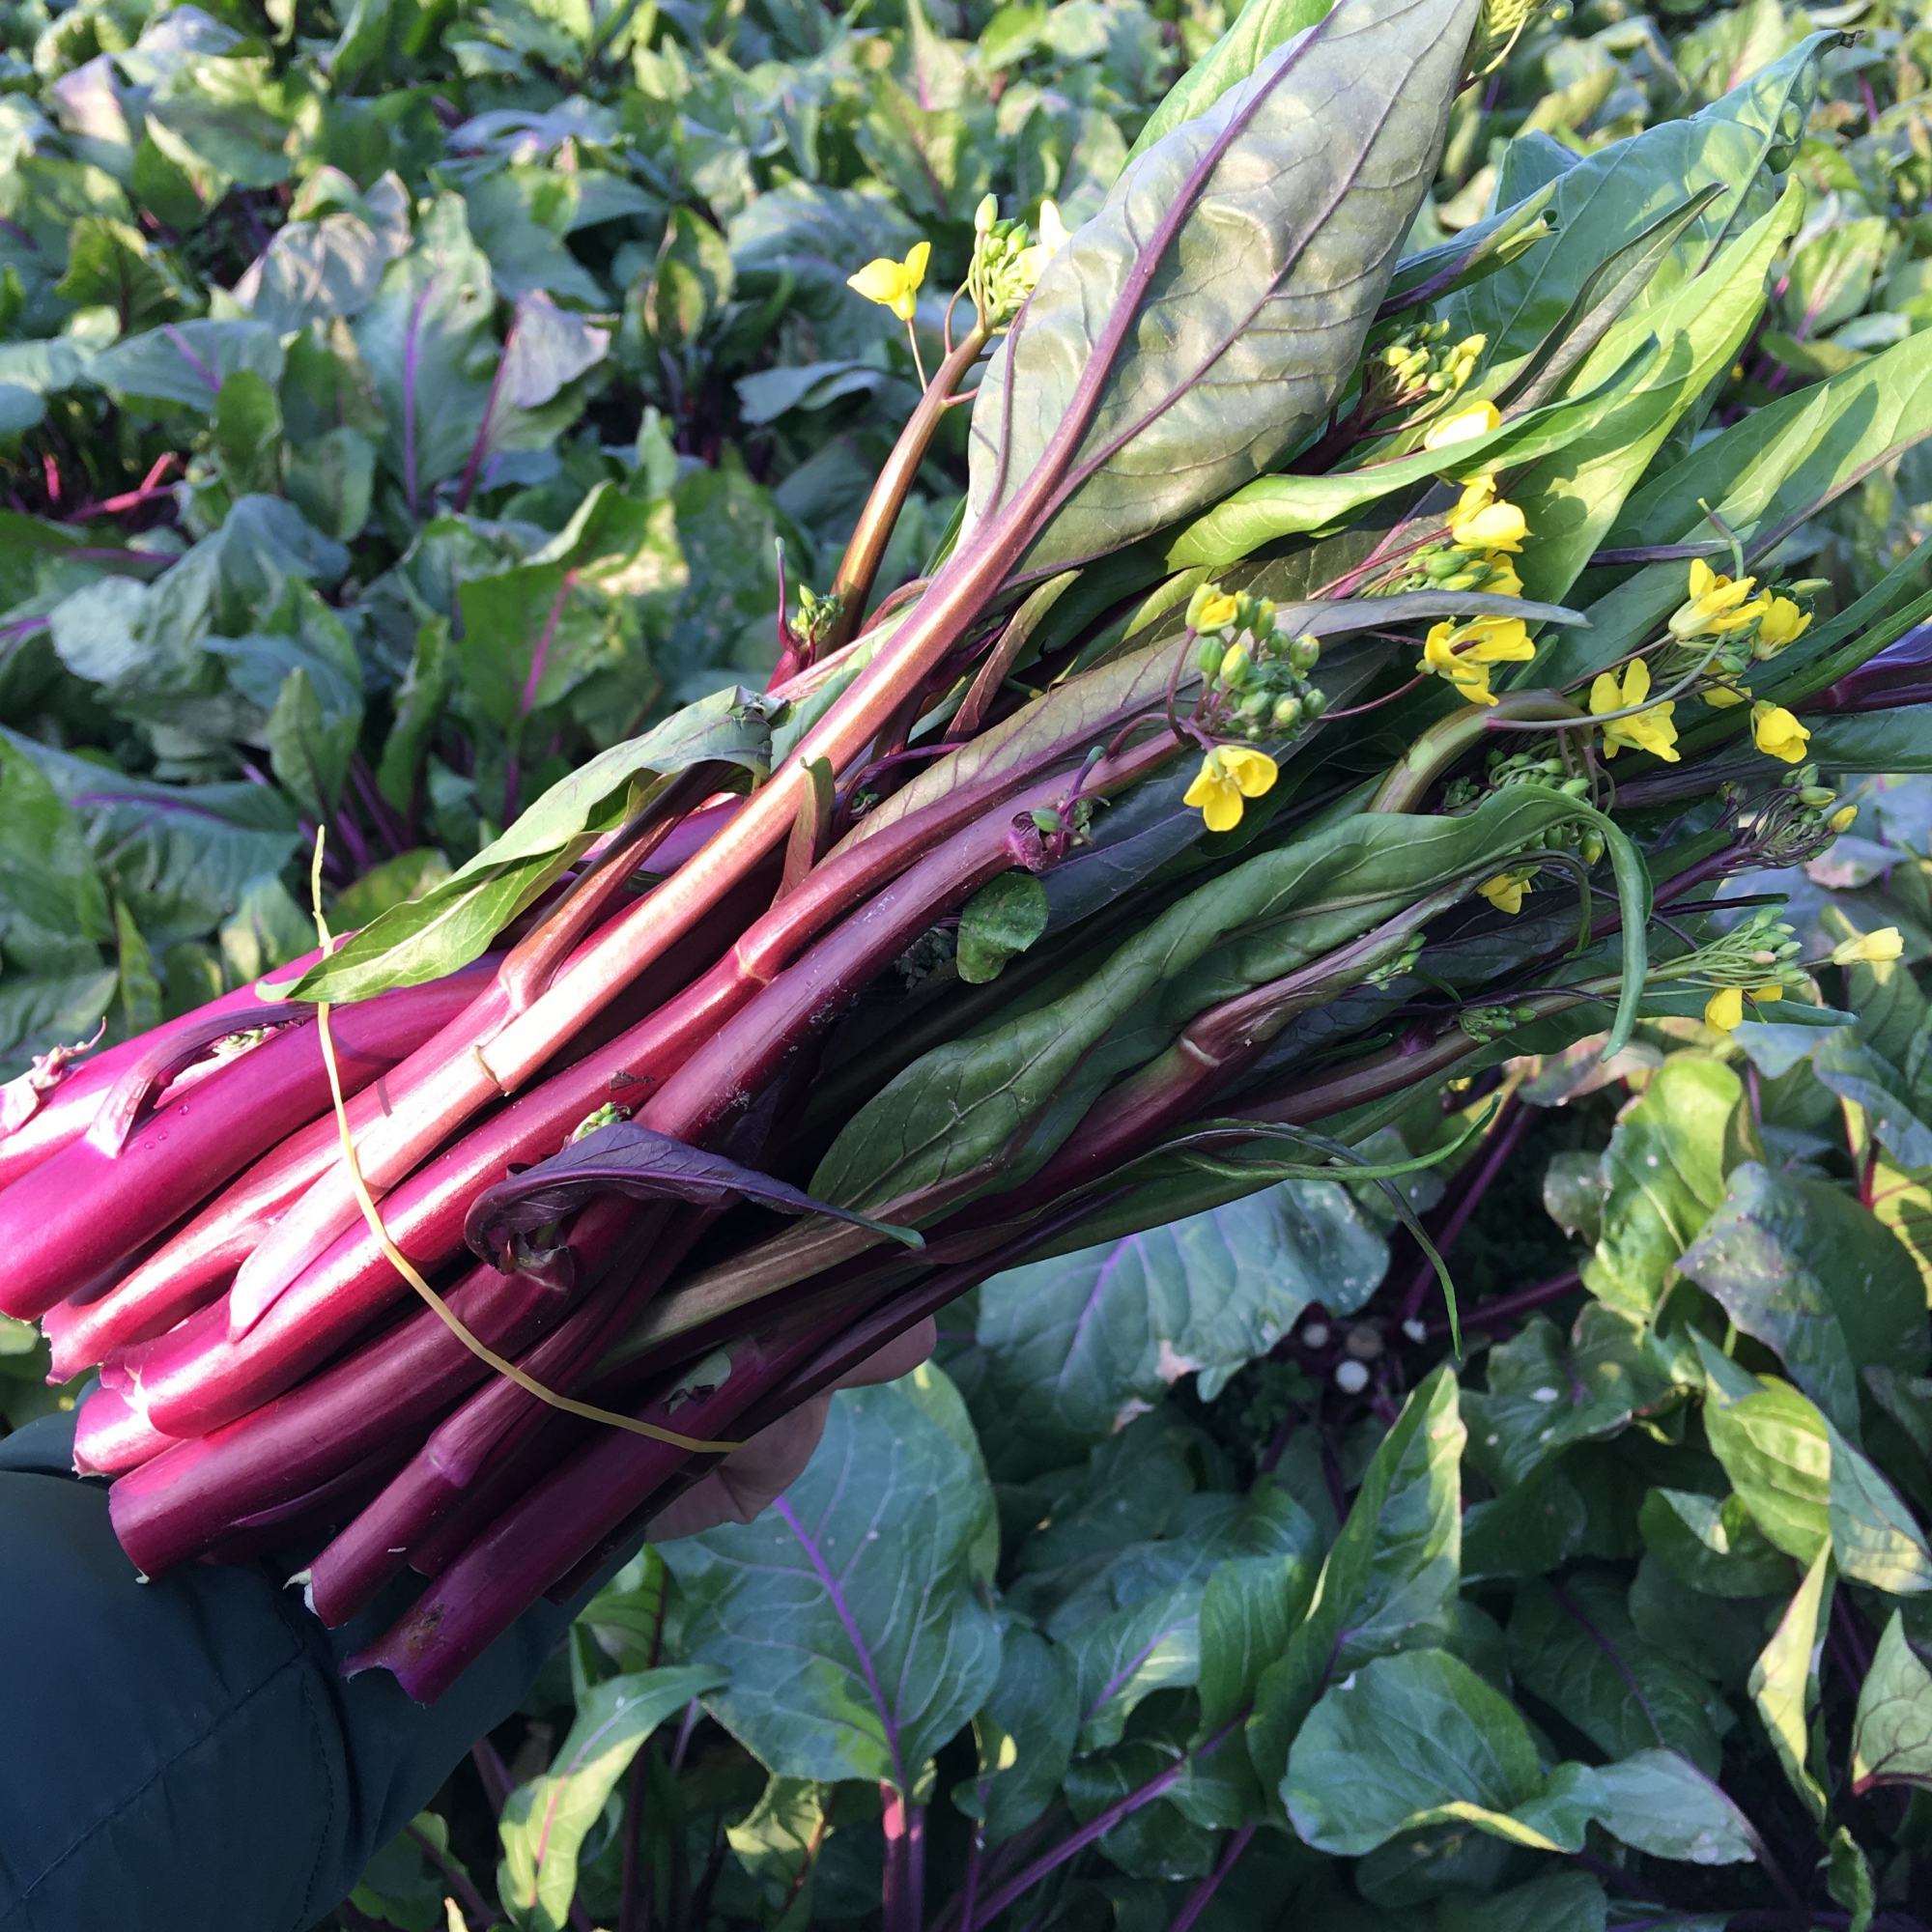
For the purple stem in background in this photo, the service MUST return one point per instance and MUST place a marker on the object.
(410, 352)
(815, 1557)
(475, 1906)
(903, 1892)
(1098, 1827)
(495, 1774)
(1507, 1307)
(1200, 1898)
(540, 657)
(473, 468)
(193, 362)
(1502, 1145)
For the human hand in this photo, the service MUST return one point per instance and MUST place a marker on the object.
(749, 1479)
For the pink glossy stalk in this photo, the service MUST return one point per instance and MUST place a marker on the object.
(65, 1110)
(492, 1424)
(81, 1211)
(109, 1436)
(184, 1502)
(557, 1522)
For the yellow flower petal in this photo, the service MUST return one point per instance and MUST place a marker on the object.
(1765, 994)
(1869, 949)
(1465, 426)
(1843, 819)
(1777, 733)
(1252, 773)
(1505, 891)
(881, 280)
(1724, 1009)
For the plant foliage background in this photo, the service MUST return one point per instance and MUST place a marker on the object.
(399, 403)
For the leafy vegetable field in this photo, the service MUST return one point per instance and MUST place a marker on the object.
(1327, 624)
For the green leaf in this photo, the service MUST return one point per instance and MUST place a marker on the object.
(776, 1843)
(1573, 1645)
(1547, 1392)
(1809, 1489)
(1249, 1609)
(999, 922)
(1895, 1087)
(1013, 1091)
(1570, 1899)
(1415, 1740)
(1848, 1878)
(1891, 1735)
(1762, 474)
(109, 265)
(1800, 1265)
(454, 922)
(1664, 1177)
(847, 1614)
(1319, 159)
(1272, 507)
(1024, 1734)
(1785, 1682)
(427, 342)
(1712, 1545)
(185, 364)
(1391, 1577)
(1073, 1344)
(1257, 30)
(1572, 498)
(545, 1822)
(1896, 741)
(1658, 1802)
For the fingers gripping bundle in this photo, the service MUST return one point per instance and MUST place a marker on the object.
(1323, 628)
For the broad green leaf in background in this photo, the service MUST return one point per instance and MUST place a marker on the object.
(1250, 1608)
(1784, 1681)
(1801, 1267)
(1712, 1545)
(1891, 1735)
(776, 1842)
(1573, 1646)
(1547, 1390)
(1319, 159)
(1665, 1173)
(1810, 1490)
(184, 365)
(1408, 1741)
(847, 1615)
(1390, 1578)
(1074, 1344)
(1024, 1733)
(545, 1822)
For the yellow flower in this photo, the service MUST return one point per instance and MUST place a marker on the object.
(1482, 521)
(894, 285)
(1215, 610)
(1229, 775)
(1506, 890)
(1462, 653)
(1843, 819)
(1650, 730)
(1869, 949)
(1465, 426)
(1715, 604)
(1724, 1009)
(1721, 697)
(1765, 994)
(1782, 623)
(1777, 733)
(1503, 580)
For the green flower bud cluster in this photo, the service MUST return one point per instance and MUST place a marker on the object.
(1758, 952)
(1800, 819)
(1255, 675)
(1007, 258)
(1528, 767)
(816, 615)
(605, 1115)
(1491, 1023)
(1422, 362)
(1392, 970)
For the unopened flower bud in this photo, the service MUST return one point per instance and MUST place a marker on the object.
(1305, 653)
(1288, 712)
(1234, 664)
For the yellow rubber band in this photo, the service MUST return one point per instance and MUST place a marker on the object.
(406, 1269)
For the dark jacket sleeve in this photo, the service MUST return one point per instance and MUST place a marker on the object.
(185, 1755)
